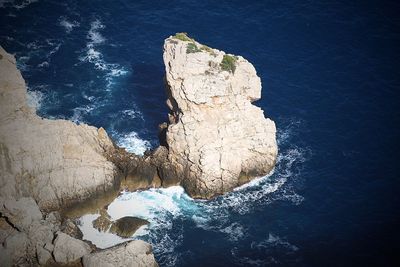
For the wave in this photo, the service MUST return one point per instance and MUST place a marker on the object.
(132, 143)
(80, 112)
(94, 56)
(34, 99)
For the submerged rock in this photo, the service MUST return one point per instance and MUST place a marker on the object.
(103, 222)
(127, 226)
(216, 138)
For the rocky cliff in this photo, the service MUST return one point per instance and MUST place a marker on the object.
(55, 161)
(216, 138)
(48, 165)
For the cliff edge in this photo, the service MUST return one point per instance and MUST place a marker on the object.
(216, 138)
(54, 161)
(48, 165)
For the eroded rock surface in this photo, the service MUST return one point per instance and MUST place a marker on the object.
(216, 138)
(134, 253)
(47, 165)
(57, 162)
(68, 249)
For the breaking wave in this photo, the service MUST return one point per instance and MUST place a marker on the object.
(34, 99)
(132, 143)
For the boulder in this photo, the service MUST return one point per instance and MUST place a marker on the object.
(135, 253)
(68, 249)
(21, 213)
(216, 138)
(127, 226)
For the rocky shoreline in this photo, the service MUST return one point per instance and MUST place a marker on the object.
(51, 170)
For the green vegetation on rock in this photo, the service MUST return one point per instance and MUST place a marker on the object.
(183, 37)
(192, 48)
(228, 63)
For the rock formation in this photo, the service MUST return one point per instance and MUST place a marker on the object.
(55, 161)
(216, 138)
(48, 165)
(135, 253)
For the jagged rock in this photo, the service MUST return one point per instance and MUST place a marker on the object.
(21, 213)
(216, 138)
(57, 162)
(70, 228)
(134, 253)
(40, 234)
(53, 219)
(43, 255)
(15, 249)
(68, 249)
(127, 226)
(103, 222)
(5, 230)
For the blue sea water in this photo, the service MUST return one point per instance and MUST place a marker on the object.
(331, 81)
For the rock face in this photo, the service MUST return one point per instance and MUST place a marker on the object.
(55, 161)
(135, 253)
(68, 249)
(216, 138)
(47, 165)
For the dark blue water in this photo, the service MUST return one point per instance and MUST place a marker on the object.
(331, 79)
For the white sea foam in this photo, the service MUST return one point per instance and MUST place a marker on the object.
(133, 144)
(94, 56)
(17, 4)
(132, 113)
(162, 207)
(271, 241)
(34, 99)
(94, 35)
(68, 25)
(79, 112)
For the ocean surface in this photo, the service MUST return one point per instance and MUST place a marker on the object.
(331, 81)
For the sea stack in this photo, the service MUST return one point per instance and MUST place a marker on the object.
(216, 138)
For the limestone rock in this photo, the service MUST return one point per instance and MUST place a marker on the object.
(14, 251)
(22, 212)
(43, 255)
(216, 138)
(135, 253)
(127, 226)
(57, 162)
(68, 249)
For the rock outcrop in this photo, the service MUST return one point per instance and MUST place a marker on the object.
(68, 249)
(55, 161)
(134, 253)
(48, 165)
(216, 138)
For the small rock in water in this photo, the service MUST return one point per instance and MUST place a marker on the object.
(127, 226)
(103, 222)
